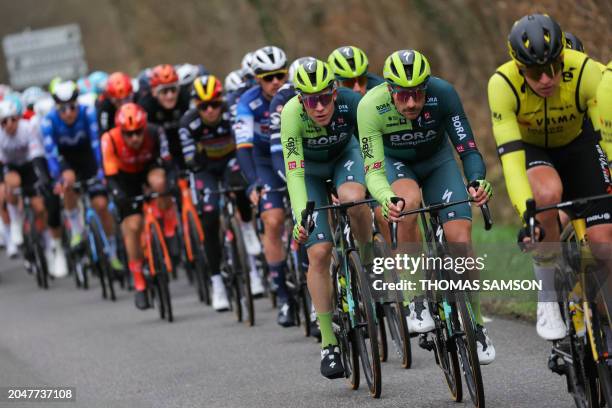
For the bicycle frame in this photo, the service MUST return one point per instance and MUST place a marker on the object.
(151, 223)
(188, 198)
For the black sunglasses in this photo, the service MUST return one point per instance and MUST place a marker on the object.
(128, 134)
(269, 78)
(205, 105)
(11, 118)
(66, 107)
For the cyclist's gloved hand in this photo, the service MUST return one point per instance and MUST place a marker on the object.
(300, 234)
(483, 193)
(100, 174)
(391, 211)
(253, 192)
(524, 236)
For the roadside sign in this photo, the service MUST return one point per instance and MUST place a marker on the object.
(35, 57)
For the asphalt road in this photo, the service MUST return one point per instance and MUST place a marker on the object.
(117, 356)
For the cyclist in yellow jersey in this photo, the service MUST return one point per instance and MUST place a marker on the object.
(543, 107)
(604, 100)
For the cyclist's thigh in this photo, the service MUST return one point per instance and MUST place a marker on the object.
(441, 181)
(208, 181)
(316, 189)
(131, 184)
(543, 175)
(271, 180)
(349, 166)
(587, 176)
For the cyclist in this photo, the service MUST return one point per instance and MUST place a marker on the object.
(70, 133)
(350, 64)
(23, 160)
(118, 91)
(133, 152)
(543, 107)
(253, 144)
(165, 106)
(233, 81)
(318, 129)
(209, 148)
(30, 96)
(405, 125)
(187, 73)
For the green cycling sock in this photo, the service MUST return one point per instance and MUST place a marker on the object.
(475, 302)
(328, 338)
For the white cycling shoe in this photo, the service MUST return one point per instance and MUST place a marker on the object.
(419, 319)
(251, 240)
(257, 287)
(16, 232)
(59, 267)
(484, 346)
(550, 325)
(219, 295)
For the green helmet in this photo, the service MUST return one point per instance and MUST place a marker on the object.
(406, 68)
(348, 62)
(313, 76)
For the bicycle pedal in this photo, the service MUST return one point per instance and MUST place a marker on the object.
(555, 366)
(425, 343)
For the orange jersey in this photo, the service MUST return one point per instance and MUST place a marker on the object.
(118, 157)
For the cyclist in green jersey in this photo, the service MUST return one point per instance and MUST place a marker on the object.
(350, 64)
(405, 125)
(318, 129)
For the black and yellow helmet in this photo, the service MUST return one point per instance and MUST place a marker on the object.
(206, 88)
(535, 39)
(313, 76)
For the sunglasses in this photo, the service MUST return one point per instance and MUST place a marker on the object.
(269, 77)
(5, 121)
(213, 105)
(64, 107)
(404, 94)
(168, 89)
(311, 101)
(129, 134)
(350, 82)
(535, 71)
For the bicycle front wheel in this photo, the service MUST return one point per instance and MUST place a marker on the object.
(199, 261)
(161, 276)
(243, 270)
(366, 328)
(466, 348)
(104, 268)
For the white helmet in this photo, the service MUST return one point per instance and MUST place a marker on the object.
(269, 58)
(294, 66)
(8, 108)
(233, 81)
(247, 64)
(187, 73)
(43, 106)
(32, 94)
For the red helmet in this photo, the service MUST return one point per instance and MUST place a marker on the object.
(119, 85)
(163, 74)
(131, 117)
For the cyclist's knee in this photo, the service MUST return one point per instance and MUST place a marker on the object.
(348, 192)
(600, 237)
(273, 220)
(100, 204)
(319, 257)
(132, 225)
(69, 176)
(458, 231)
(157, 180)
(546, 196)
(38, 205)
(12, 180)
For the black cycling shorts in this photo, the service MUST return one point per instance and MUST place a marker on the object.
(583, 168)
(84, 165)
(26, 172)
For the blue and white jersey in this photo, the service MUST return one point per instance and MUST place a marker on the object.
(60, 139)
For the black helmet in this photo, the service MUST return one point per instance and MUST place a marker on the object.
(535, 39)
(572, 42)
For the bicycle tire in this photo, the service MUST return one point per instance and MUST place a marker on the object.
(244, 278)
(161, 276)
(370, 359)
(231, 266)
(383, 347)
(467, 351)
(199, 261)
(346, 337)
(103, 260)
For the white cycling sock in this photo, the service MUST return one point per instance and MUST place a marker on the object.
(7, 233)
(14, 212)
(252, 264)
(546, 274)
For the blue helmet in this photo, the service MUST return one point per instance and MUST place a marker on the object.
(97, 80)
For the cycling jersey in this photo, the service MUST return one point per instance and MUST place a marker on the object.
(169, 120)
(277, 103)
(302, 140)
(386, 132)
(232, 99)
(251, 130)
(22, 147)
(604, 101)
(119, 158)
(520, 116)
(201, 142)
(77, 140)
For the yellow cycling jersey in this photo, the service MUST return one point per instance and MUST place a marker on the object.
(604, 102)
(519, 115)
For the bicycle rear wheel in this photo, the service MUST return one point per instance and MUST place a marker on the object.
(466, 347)
(383, 349)
(366, 330)
(161, 276)
(244, 279)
